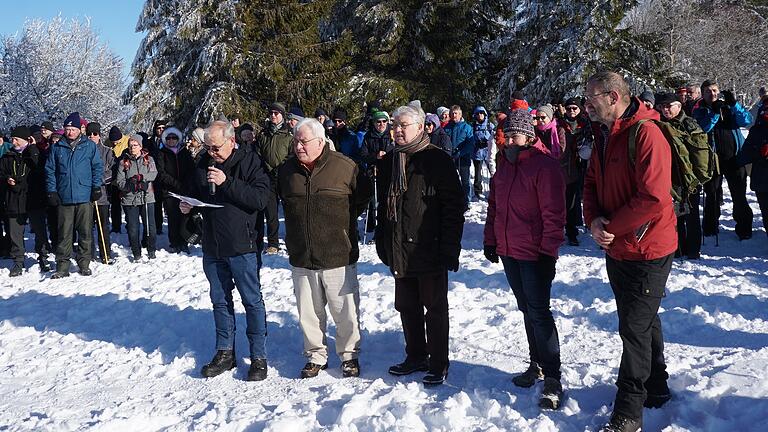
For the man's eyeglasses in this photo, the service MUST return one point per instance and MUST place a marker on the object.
(571, 108)
(274, 113)
(213, 149)
(401, 125)
(304, 143)
(593, 96)
(337, 121)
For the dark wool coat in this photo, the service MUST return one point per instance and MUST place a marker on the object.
(173, 170)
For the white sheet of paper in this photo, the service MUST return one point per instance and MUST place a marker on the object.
(193, 202)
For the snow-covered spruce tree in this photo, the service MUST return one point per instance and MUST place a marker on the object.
(553, 46)
(52, 68)
(189, 66)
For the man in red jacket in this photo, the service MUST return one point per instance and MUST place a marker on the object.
(627, 204)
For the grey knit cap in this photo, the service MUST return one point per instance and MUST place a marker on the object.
(519, 121)
(546, 109)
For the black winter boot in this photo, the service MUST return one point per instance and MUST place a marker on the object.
(258, 370)
(223, 361)
(621, 423)
(552, 395)
(529, 377)
(410, 366)
(16, 270)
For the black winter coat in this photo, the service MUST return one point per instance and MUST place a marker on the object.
(372, 145)
(427, 237)
(28, 170)
(173, 171)
(441, 139)
(234, 229)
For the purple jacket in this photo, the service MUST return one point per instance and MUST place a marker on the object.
(526, 206)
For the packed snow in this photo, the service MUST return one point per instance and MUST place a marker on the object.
(122, 350)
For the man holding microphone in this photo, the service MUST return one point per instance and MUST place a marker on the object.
(232, 243)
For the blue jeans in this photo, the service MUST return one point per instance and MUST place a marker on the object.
(463, 163)
(132, 214)
(531, 282)
(224, 274)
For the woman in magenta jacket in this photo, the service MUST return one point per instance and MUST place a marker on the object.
(524, 227)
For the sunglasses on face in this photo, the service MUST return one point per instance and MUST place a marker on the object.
(172, 137)
(540, 118)
(571, 108)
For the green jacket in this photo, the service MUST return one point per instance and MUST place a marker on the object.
(274, 148)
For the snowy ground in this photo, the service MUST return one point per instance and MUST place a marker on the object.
(122, 350)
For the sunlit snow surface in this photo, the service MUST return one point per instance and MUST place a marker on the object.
(122, 350)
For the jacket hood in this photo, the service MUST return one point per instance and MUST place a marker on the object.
(171, 130)
(481, 109)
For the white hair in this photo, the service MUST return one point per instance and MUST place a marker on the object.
(415, 113)
(226, 128)
(315, 128)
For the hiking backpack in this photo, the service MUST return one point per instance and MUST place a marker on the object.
(693, 161)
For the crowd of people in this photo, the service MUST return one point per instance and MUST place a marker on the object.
(629, 168)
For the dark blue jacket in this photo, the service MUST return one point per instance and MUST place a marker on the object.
(727, 121)
(73, 172)
(348, 144)
(462, 138)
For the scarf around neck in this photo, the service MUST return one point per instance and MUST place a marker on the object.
(399, 183)
(554, 138)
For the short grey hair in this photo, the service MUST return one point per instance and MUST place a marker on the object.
(415, 113)
(315, 128)
(226, 128)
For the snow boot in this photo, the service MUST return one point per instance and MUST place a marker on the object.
(151, 254)
(410, 366)
(433, 378)
(350, 368)
(258, 370)
(529, 377)
(621, 423)
(43, 261)
(16, 270)
(311, 370)
(223, 361)
(552, 395)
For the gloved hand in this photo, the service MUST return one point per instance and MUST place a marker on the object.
(138, 178)
(142, 186)
(729, 98)
(53, 199)
(95, 194)
(490, 253)
(717, 106)
(451, 263)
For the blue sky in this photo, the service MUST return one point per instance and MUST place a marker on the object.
(114, 21)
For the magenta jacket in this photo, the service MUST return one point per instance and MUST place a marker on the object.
(526, 206)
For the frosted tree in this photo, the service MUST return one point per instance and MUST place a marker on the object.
(56, 67)
(189, 66)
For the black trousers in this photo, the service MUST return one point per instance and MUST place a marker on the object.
(572, 210)
(159, 211)
(52, 218)
(689, 228)
(477, 185)
(412, 296)
(16, 224)
(638, 287)
(116, 209)
(103, 244)
(173, 212)
(38, 227)
(736, 176)
(271, 213)
(762, 200)
(71, 218)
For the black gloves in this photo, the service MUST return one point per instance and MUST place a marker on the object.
(95, 194)
(730, 99)
(137, 184)
(451, 263)
(490, 253)
(53, 199)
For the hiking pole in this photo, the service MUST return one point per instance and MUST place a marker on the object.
(101, 234)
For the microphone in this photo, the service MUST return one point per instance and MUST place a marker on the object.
(211, 185)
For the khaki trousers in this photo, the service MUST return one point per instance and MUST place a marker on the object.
(338, 288)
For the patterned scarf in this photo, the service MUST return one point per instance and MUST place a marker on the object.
(399, 183)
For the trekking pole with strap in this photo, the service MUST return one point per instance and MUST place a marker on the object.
(104, 251)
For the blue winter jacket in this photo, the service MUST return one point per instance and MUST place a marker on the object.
(73, 173)
(348, 144)
(708, 119)
(462, 138)
(483, 133)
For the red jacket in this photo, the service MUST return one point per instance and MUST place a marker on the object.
(526, 206)
(632, 196)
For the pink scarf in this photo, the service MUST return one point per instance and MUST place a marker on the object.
(554, 139)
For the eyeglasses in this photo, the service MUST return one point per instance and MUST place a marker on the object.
(337, 121)
(541, 118)
(381, 122)
(591, 97)
(401, 125)
(274, 113)
(572, 108)
(304, 143)
(213, 149)
(172, 137)
(93, 134)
